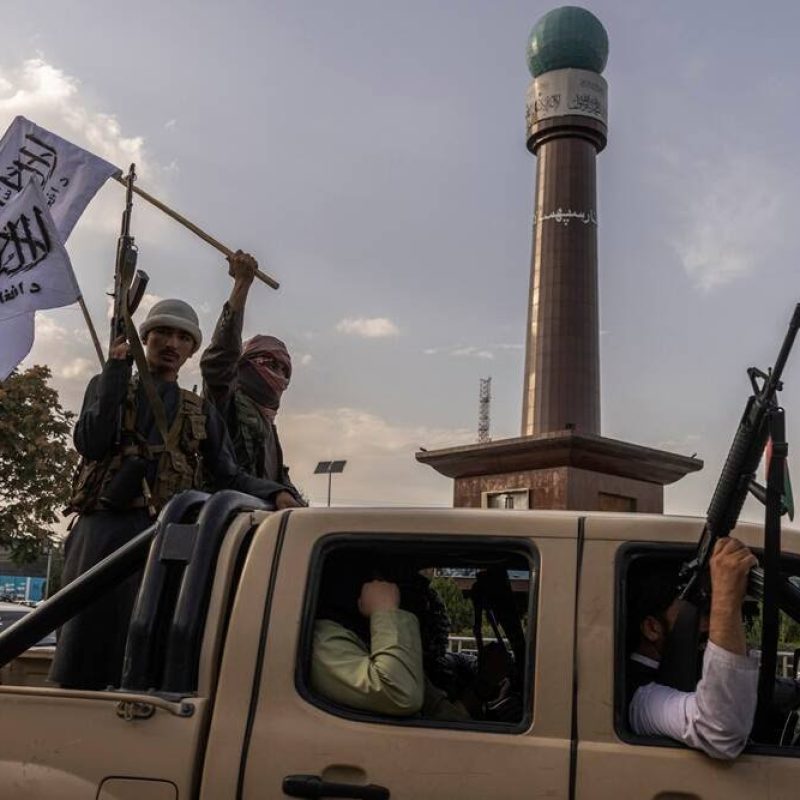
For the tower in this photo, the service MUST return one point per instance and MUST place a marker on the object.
(566, 120)
(484, 403)
(561, 460)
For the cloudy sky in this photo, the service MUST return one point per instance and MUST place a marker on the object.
(372, 156)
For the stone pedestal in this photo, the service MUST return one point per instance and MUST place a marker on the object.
(560, 470)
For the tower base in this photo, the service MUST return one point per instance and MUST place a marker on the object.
(560, 470)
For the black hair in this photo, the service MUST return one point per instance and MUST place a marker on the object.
(652, 588)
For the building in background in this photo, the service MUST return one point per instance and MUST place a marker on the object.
(561, 460)
(22, 582)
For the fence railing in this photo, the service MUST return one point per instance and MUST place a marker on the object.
(465, 644)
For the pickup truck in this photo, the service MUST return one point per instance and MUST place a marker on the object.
(216, 703)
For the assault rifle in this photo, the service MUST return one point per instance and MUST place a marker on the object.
(762, 417)
(129, 283)
(738, 474)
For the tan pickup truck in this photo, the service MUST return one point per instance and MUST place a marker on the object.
(216, 701)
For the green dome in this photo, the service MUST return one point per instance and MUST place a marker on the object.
(567, 37)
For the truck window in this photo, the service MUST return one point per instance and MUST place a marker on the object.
(429, 633)
(652, 566)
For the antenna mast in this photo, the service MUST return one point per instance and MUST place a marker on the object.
(484, 401)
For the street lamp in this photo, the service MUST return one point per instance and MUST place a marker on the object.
(329, 468)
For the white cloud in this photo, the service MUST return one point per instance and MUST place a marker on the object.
(51, 98)
(369, 328)
(731, 207)
(472, 351)
(48, 330)
(77, 368)
(56, 100)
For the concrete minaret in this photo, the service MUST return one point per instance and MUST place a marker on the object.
(566, 128)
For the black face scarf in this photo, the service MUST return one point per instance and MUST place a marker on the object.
(256, 388)
(263, 384)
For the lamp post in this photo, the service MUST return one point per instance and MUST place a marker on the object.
(329, 468)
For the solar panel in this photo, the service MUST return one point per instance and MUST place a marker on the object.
(329, 467)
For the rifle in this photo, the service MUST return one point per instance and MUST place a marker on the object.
(129, 283)
(736, 480)
(738, 473)
(129, 287)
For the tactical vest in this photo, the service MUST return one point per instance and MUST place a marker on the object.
(250, 437)
(178, 460)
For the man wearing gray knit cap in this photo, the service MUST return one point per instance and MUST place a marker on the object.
(130, 469)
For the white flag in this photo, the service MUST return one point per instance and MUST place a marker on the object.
(16, 340)
(68, 176)
(35, 272)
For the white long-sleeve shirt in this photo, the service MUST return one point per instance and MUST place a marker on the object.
(716, 717)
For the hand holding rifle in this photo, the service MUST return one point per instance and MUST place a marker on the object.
(120, 349)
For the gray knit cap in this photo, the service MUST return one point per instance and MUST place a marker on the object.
(173, 313)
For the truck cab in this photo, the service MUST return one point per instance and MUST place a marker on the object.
(216, 699)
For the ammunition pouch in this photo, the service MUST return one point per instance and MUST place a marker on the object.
(116, 483)
(124, 486)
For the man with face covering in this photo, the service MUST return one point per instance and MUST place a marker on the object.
(246, 382)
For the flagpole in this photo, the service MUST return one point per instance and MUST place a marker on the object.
(92, 330)
(262, 276)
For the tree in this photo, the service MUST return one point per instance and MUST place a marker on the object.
(36, 462)
(459, 609)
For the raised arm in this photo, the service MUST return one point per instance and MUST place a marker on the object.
(388, 677)
(99, 422)
(718, 715)
(219, 362)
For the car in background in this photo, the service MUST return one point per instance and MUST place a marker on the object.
(33, 666)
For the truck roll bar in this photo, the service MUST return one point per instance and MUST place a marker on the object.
(94, 583)
(162, 651)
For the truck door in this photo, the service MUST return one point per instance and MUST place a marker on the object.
(607, 749)
(121, 745)
(294, 732)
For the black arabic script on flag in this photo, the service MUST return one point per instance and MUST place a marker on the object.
(35, 160)
(24, 242)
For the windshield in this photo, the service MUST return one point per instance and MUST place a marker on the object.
(8, 618)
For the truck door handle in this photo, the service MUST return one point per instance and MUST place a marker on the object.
(314, 786)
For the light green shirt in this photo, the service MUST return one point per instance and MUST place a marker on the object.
(386, 680)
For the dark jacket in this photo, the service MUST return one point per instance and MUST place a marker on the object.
(255, 439)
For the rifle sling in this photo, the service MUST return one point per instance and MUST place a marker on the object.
(159, 413)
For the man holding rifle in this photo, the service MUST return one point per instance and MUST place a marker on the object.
(718, 715)
(130, 469)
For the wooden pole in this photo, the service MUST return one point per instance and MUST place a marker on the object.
(262, 276)
(92, 331)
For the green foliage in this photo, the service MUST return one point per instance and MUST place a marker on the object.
(459, 609)
(36, 462)
(788, 631)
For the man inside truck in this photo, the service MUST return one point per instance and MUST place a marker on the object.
(367, 650)
(717, 717)
(374, 642)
